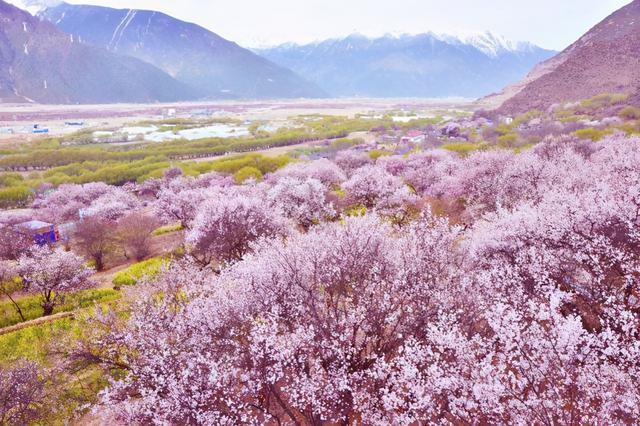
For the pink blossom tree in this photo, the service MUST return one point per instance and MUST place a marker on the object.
(179, 204)
(370, 184)
(51, 273)
(477, 179)
(9, 285)
(317, 312)
(350, 161)
(323, 170)
(172, 173)
(424, 170)
(22, 394)
(373, 187)
(303, 201)
(13, 244)
(64, 204)
(225, 227)
(179, 198)
(394, 164)
(112, 205)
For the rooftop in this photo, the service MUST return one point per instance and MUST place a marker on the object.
(34, 225)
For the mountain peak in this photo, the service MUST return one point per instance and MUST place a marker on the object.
(219, 67)
(36, 6)
(406, 65)
(492, 45)
(488, 43)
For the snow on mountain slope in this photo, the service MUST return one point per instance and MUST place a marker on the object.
(423, 65)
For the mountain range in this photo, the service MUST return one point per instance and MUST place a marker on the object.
(90, 54)
(424, 65)
(191, 54)
(40, 63)
(604, 60)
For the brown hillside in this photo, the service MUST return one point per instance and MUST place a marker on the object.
(605, 60)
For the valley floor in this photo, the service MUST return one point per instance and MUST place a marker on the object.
(21, 117)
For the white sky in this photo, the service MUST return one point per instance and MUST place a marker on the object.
(548, 23)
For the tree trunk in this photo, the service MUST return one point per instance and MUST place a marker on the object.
(47, 309)
(18, 309)
(99, 261)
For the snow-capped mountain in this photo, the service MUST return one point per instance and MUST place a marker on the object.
(34, 6)
(420, 65)
(188, 52)
(493, 45)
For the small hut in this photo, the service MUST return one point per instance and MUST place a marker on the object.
(42, 232)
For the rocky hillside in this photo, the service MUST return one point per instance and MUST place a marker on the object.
(605, 60)
(40, 63)
(423, 65)
(188, 52)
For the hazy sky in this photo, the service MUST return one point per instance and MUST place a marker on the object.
(548, 23)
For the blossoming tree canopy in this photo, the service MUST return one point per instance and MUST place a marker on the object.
(51, 273)
(495, 287)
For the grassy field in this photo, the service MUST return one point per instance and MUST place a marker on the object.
(31, 309)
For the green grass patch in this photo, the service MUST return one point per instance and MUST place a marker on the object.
(31, 309)
(504, 129)
(31, 343)
(344, 144)
(15, 196)
(569, 116)
(231, 165)
(168, 229)
(526, 117)
(134, 273)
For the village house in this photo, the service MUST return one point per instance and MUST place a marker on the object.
(414, 136)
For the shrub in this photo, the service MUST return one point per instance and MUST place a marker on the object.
(377, 153)
(603, 100)
(11, 179)
(591, 133)
(508, 140)
(504, 129)
(247, 173)
(15, 196)
(462, 148)
(343, 144)
(630, 113)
